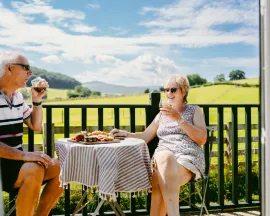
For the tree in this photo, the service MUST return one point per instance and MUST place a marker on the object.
(96, 93)
(219, 78)
(237, 75)
(73, 94)
(146, 90)
(83, 91)
(26, 94)
(195, 79)
(161, 89)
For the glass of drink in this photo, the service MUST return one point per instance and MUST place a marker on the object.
(35, 82)
(163, 103)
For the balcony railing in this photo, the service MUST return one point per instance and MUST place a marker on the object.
(246, 114)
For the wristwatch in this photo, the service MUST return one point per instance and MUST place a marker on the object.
(37, 103)
(182, 120)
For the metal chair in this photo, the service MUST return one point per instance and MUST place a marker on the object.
(204, 180)
(12, 203)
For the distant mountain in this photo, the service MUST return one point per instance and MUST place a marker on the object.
(55, 80)
(107, 88)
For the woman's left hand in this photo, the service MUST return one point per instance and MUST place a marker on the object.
(171, 112)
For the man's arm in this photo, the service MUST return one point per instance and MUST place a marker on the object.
(35, 120)
(10, 153)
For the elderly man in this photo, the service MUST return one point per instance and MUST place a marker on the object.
(24, 171)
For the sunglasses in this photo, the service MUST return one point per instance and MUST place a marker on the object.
(24, 66)
(172, 90)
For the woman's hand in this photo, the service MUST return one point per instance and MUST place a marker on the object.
(116, 132)
(171, 112)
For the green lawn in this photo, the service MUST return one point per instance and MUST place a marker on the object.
(248, 81)
(56, 93)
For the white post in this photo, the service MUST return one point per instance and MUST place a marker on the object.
(265, 103)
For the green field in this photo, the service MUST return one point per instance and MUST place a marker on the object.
(56, 93)
(248, 81)
(217, 94)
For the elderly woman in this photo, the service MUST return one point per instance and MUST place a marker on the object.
(179, 157)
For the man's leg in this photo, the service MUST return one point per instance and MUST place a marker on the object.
(52, 191)
(29, 180)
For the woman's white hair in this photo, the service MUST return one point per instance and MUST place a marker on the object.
(182, 81)
(8, 57)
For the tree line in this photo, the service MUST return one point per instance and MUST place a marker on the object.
(196, 79)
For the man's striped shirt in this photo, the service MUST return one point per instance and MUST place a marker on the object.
(12, 115)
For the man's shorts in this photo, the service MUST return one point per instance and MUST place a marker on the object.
(9, 172)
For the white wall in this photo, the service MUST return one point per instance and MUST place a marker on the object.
(265, 87)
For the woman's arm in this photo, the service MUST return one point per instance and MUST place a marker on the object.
(198, 131)
(149, 133)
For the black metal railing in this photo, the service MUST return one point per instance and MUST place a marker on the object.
(151, 110)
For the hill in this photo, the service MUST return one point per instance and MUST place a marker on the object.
(248, 81)
(55, 80)
(112, 89)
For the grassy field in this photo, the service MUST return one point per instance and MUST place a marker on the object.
(218, 94)
(248, 81)
(56, 93)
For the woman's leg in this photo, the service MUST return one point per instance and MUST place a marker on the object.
(171, 176)
(157, 203)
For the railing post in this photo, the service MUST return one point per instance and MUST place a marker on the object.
(45, 147)
(154, 101)
(154, 97)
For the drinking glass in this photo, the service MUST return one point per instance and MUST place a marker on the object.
(163, 103)
(35, 82)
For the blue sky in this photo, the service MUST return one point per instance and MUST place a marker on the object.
(134, 42)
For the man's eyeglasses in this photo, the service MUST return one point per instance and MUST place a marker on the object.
(24, 66)
(172, 90)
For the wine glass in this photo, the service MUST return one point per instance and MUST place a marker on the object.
(163, 103)
(35, 82)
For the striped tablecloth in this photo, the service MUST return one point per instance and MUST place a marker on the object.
(115, 167)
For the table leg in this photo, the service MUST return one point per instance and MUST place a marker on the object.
(79, 205)
(113, 208)
(119, 209)
(98, 207)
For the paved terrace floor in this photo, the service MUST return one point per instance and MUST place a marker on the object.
(246, 213)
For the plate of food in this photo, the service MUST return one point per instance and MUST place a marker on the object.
(92, 138)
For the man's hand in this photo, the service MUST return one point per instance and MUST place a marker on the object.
(36, 95)
(116, 132)
(37, 157)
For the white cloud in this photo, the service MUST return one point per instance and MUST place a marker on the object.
(193, 23)
(50, 40)
(201, 18)
(82, 28)
(119, 30)
(52, 59)
(35, 7)
(106, 59)
(234, 62)
(141, 71)
(93, 6)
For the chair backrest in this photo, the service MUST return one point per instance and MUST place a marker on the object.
(210, 144)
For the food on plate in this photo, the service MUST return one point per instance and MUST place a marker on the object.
(78, 137)
(95, 136)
